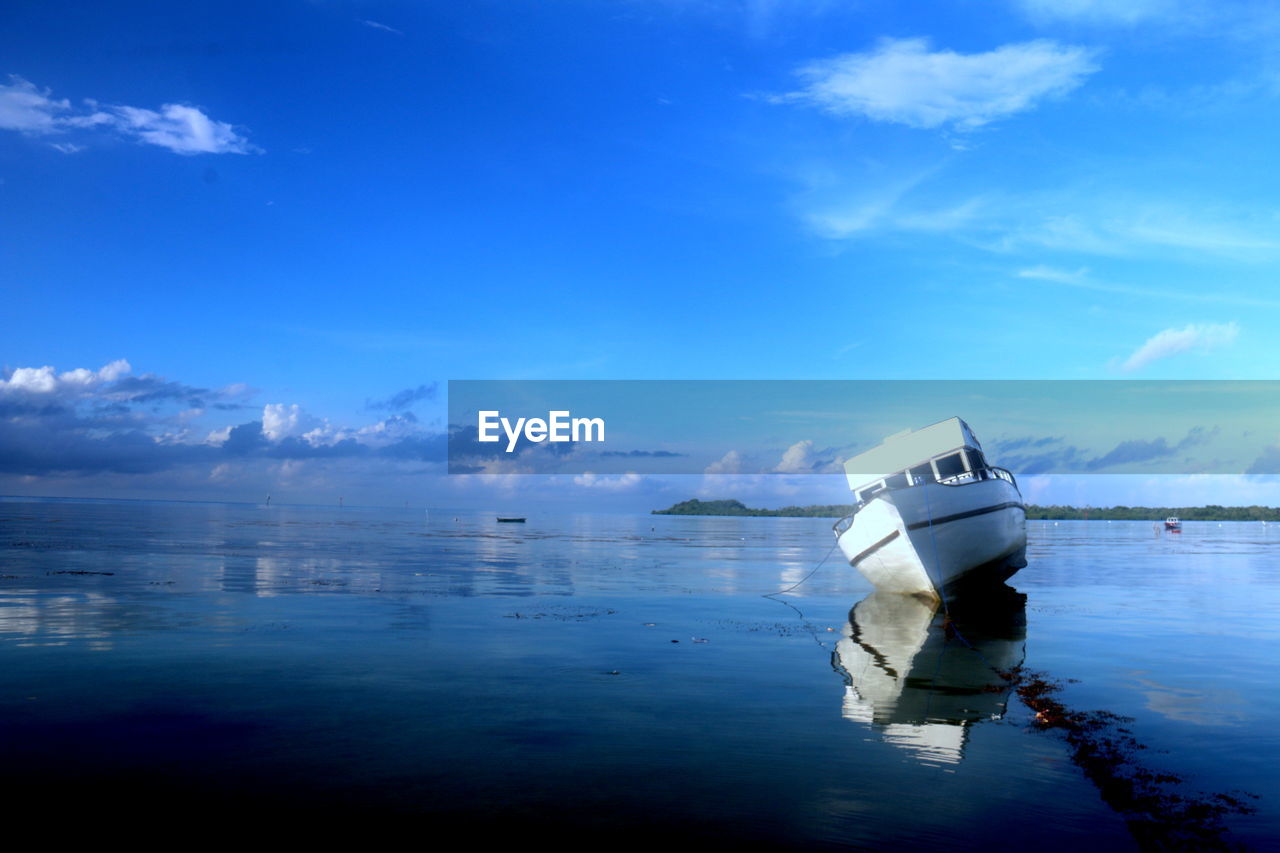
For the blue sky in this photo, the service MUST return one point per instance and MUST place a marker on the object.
(284, 213)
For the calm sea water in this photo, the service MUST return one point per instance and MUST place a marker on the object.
(592, 677)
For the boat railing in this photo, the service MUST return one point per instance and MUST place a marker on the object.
(966, 478)
(988, 473)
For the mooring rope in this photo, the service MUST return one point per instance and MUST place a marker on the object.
(948, 625)
(806, 577)
(813, 631)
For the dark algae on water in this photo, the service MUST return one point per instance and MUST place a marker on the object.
(1159, 812)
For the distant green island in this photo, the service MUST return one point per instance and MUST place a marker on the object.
(697, 507)
(1212, 512)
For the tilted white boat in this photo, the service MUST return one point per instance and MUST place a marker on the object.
(930, 511)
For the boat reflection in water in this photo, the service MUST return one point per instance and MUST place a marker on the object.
(920, 680)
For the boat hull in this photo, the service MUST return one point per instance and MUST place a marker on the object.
(924, 539)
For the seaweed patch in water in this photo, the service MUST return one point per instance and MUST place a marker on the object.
(1159, 815)
(563, 614)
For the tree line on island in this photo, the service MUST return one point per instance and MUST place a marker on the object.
(1212, 512)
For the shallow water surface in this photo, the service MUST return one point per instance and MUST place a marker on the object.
(581, 674)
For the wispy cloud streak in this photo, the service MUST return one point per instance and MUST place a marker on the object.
(1169, 342)
(380, 26)
(1081, 279)
(180, 128)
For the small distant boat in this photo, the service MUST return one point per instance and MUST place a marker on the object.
(509, 519)
(930, 510)
(1172, 524)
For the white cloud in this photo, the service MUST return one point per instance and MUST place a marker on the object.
(867, 209)
(716, 485)
(1043, 272)
(1120, 228)
(1081, 279)
(37, 380)
(1076, 220)
(218, 437)
(1114, 227)
(112, 431)
(180, 128)
(93, 119)
(237, 389)
(1195, 336)
(386, 431)
(620, 483)
(183, 130)
(378, 26)
(839, 207)
(842, 221)
(45, 380)
(115, 370)
(1185, 232)
(797, 458)
(282, 421)
(902, 81)
(849, 347)
(730, 463)
(27, 108)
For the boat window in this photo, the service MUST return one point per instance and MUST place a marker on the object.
(922, 474)
(949, 466)
(896, 481)
(866, 493)
(975, 459)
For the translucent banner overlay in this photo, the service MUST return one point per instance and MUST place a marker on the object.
(815, 426)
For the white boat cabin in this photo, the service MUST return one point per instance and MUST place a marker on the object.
(946, 452)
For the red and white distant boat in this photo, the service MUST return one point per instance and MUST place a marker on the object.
(1172, 524)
